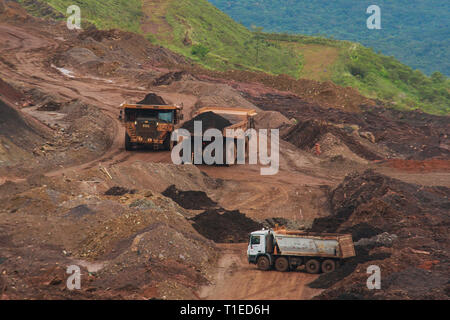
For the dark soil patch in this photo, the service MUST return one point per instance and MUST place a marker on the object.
(281, 222)
(418, 282)
(80, 211)
(119, 191)
(327, 280)
(223, 226)
(369, 204)
(170, 77)
(193, 200)
(99, 35)
(362, 231)
(153, 99)
(14, 126)
(384, 203)
(50, 106)
(408, 134)
(306, 134)
(209, 120)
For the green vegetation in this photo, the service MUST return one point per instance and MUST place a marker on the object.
(386, 78)
(188, 27)
(380, 77)
(230, 45)
(200, 51)
(106, 14)
(414, 31)
(199, 31)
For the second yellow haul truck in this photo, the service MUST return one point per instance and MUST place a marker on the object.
(150, 125)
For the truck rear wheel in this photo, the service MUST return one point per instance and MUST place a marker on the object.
(312, 266)
(282, 264)
(128, 144)
(263, 263)
(328, 266)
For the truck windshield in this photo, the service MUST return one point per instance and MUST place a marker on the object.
(165, 116)
(150, 115)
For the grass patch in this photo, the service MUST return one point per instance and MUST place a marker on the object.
(105, 14)
(375, 75)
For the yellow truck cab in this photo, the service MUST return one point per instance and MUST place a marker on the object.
(150, 125)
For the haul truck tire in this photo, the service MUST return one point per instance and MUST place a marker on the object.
(328, 266)
(282, 264)
(128, 144)
(263, 263)
(312, 266)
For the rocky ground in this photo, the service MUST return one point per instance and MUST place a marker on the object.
(141, 227)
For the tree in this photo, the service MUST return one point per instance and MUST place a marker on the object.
(437, 77)
(200, 51)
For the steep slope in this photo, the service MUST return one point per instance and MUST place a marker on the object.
(210, 38)
(414, 31)
(373, 74)
(194, 28)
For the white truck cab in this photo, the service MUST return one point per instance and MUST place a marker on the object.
(257, 245)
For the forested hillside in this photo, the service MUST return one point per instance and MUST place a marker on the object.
(414, 31)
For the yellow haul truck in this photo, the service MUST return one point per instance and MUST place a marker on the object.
(150, 125)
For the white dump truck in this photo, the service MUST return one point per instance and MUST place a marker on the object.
(287, 250)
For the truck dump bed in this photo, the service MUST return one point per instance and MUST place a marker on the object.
(239, 118)
(313, 244)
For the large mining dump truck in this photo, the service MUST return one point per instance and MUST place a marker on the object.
(223, 119)
(149, 125)
(287, 250)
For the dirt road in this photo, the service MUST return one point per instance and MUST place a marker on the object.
(237, 279)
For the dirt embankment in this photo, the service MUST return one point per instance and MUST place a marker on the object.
(400, 227)
(69, 133)
(194, 200)
(307, 134)
(15, 127)
(112, 53)
(385, 132)
(130, 243)
(152, 98)
(327, 94)
(217, 224)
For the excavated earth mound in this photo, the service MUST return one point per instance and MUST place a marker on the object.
(194, 200)
(224, 226)
(208, 120)
(16, 128)
(306, 134)
(169, 78)
(398, 226)
(118, 191)
(406, 134)
(152, 99)
(217, 224)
